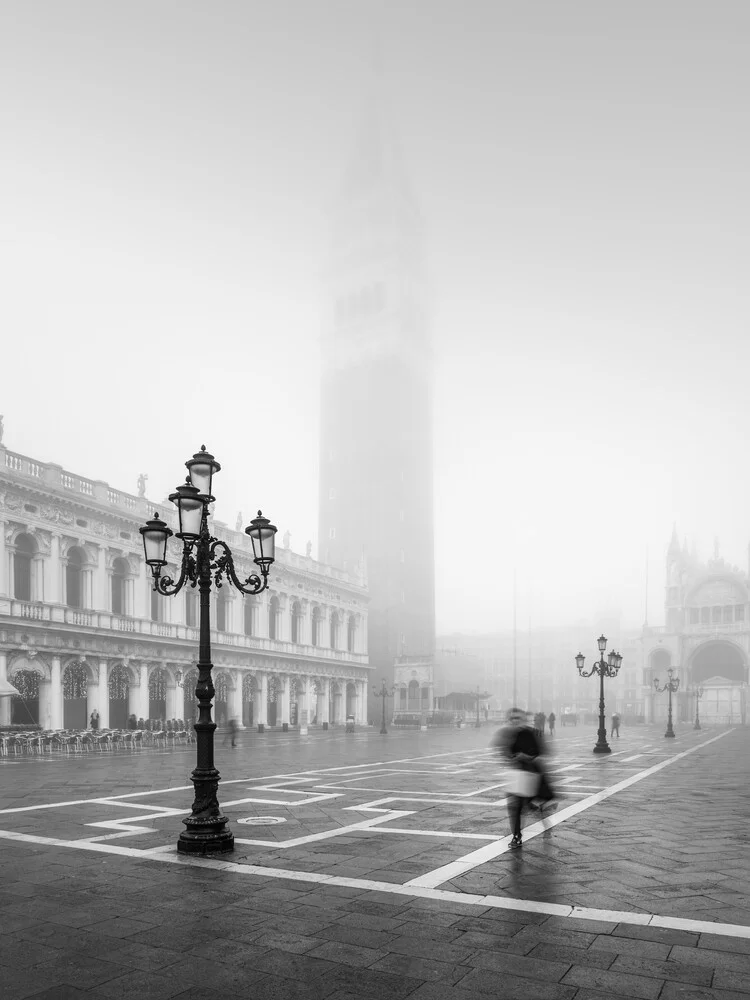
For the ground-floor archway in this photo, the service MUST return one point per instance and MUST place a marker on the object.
(720, 669)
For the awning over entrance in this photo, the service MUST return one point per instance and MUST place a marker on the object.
(7, 689)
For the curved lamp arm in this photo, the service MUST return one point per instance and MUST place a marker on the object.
(224, 565)
(166, 585)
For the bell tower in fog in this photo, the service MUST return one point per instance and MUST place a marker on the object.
(376, 464)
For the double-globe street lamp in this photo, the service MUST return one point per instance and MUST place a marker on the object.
(605, 668)
(697, 692)
(671, 685)
(383, 692)
(205, 560)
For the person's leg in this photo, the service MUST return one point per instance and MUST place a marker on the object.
(515, 804)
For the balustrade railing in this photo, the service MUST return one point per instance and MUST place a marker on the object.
(103, 620)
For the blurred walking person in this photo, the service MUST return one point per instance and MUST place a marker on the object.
(551, 723)
(527, 783)
(615, 726)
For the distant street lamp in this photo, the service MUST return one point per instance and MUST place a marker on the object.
(383, 693)
(205, 560)
(698, 692)
(608, 668)
(671, 685)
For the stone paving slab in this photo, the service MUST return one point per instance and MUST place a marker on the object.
(84, 920)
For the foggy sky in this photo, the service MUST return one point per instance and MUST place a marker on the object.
(582, 170)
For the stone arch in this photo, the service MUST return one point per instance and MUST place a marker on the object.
(718, 658)
(25, 554)
(274, 616)
(120, 682)
(118, 585)
(295, 622)
(413, 696)
(189, 701)
(20, 660)
(351, 699)
(76, 675)
(352, 625)
(158, 681)
(223, 684)
(335, 626)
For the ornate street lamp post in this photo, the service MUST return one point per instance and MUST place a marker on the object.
(698, 692)
(605, 668)
(672, 684)
(383, 692)
(205, 560)
(477, 724)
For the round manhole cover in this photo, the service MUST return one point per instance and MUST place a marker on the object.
(262, 820)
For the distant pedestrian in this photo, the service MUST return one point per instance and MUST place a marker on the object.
(539, 721)
(551, 723)
(615, 726)
(94, 720)
(231, 732)
(132, 722)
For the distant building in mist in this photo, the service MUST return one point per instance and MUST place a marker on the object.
(82, 629)
(546, 678)
(376, 447)
(705, 638)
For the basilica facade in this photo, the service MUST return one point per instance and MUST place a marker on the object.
(705, 640)
(81, 629)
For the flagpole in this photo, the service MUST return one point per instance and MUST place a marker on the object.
(515, 647)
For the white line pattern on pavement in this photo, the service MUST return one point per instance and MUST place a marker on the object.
(484, 854)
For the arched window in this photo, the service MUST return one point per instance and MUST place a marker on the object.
(315, 627)
(74, 578)
(25, 551)
(119, 576)
(221, 610)
(296, 621)
(249, 615)
(334, 629)
(351, 633)
(273, 618)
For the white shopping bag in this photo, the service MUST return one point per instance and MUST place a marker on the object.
(525, 784)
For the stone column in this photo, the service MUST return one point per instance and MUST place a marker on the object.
(324, 715)
(235, 698)
(129, 595)
(303, 707)
(92, 693)
(142, 606)
(283, 695)
(260, 708)
(5, 587)
(142, 712)
(55, 571)
(173, 707)
(362, 702)
(56, 694)
(37, 577)
(103, 706)
(4, 702)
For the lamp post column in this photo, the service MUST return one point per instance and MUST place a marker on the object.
(670, 731)
(601, 743)
(206, 828)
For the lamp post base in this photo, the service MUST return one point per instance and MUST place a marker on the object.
(193, 842)
(383, 731)
(602, 748)
(207, 831)
(697, 725)
(669, 735)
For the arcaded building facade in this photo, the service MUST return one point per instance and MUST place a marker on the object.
(81, 628)
(705, 639)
